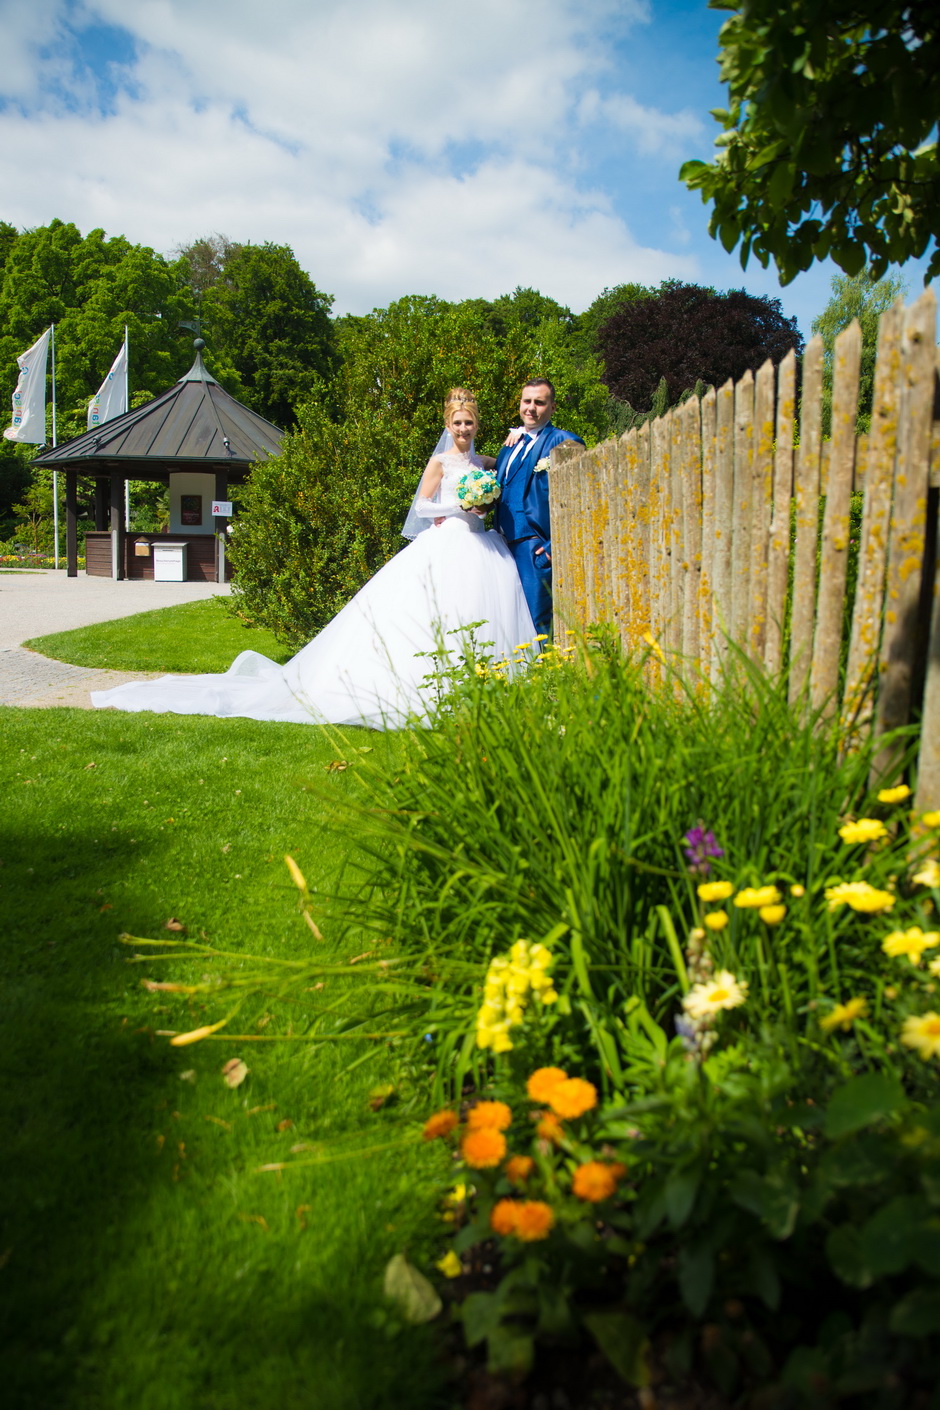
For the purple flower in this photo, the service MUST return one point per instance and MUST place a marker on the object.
(700, 847)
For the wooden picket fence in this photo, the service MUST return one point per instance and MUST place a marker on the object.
(703, 528)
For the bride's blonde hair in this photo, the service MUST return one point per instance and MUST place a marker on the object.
(459, 398)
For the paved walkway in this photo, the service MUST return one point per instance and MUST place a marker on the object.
(36, 604)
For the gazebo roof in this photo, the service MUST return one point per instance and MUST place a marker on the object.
(195, 424)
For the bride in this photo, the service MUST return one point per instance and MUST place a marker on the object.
(368, 666)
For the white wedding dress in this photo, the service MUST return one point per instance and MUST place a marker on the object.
(366, 666)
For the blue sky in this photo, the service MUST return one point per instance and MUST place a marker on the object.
(399, 146)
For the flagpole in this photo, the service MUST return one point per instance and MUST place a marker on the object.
(55, 473)
(127, 407)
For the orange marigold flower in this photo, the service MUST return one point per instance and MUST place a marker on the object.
(490, 1116)
(504, 1216)
(596, 1180)
(519, 1168)
(573, 1097)
(549, 1127)
(543, 1081)
(440, 1124)
(534, 1220)
(484, 1148)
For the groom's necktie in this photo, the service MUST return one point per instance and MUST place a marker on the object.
(519, 450)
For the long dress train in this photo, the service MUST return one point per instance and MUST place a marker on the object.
(366, 666)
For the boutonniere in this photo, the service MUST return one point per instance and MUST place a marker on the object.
(543, 464)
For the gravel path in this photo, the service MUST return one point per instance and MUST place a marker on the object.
(35, 604)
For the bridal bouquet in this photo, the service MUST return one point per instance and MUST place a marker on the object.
(477, 489)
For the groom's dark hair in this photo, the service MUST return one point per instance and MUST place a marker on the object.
(541, 382)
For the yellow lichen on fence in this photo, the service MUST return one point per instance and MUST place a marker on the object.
(708, 524)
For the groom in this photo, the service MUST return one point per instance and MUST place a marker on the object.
(522, 515)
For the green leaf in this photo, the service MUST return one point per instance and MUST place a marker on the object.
(747, 1191)
(480, 1313)
(918, 1314)
(861, 1102)
(509, 1352)
(844, 1251)
(415, 1297)
(681, 1189)
(889, 1240)
(696, 1276)
(764, 1277)
(623, 1340)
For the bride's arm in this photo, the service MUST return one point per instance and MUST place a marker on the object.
(487, 461)
(426, 506)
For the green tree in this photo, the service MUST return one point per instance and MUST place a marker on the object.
(90, 287)
(862, 297)
(267, 325)
(829, 144)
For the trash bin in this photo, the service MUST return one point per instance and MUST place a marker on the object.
(169, 562)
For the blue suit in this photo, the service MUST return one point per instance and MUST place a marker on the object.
(522, 517)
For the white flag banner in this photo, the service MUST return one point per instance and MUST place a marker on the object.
(110, 399)
(29, 399)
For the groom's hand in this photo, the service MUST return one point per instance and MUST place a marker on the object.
(540, 551)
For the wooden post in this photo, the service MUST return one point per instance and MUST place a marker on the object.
(563, 509)
(778, 557)
(102, 492)
(724, 506)
(614, 540)
(835, 539)
(117, 527)
(927, 797)
(71, 523)
(807, 519)
(743, 510)
(677, 575)
(692, 532)
(643, 617)
(707, 576)
(659, 563)
(906, 550)
(878, 482)
(762, 504)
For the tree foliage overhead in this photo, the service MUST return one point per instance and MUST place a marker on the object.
(829, 145)
(689, 334)
(267, 325)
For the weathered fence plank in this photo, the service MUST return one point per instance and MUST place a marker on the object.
(761, 506)
(724, 503)
(835, 536)
(778, 555)
(908, 519)
(692, 530)
(707, 578)
(877, 483)
(807, 519)
(742, 511)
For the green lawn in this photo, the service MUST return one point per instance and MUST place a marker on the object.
(146, 1265)
(195, 636)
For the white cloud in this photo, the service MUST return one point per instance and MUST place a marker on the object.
(654, 132)
(423, 146)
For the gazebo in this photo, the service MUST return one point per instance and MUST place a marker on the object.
(196, 439)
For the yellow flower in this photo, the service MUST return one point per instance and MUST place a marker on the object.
(772, 915)
(894, 795)
(930, 819)
(543, 1082)
(550, 1128)
(929, 875)
(548, 996)
(934, 966)
(753, 897)
(440, 1124)
(722, 992)
(716, 920)
(911, 943)
(860, 896)
(595, 1180)
(844, 1015)
(495, 1116)
(798, 891)
(865, 830)
(534, 1220)
(714, 890)
(483, 1149)
(573, 1097)
(923, 1034)
(449, 1265)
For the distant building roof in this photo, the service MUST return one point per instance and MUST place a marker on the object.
(196, 422)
